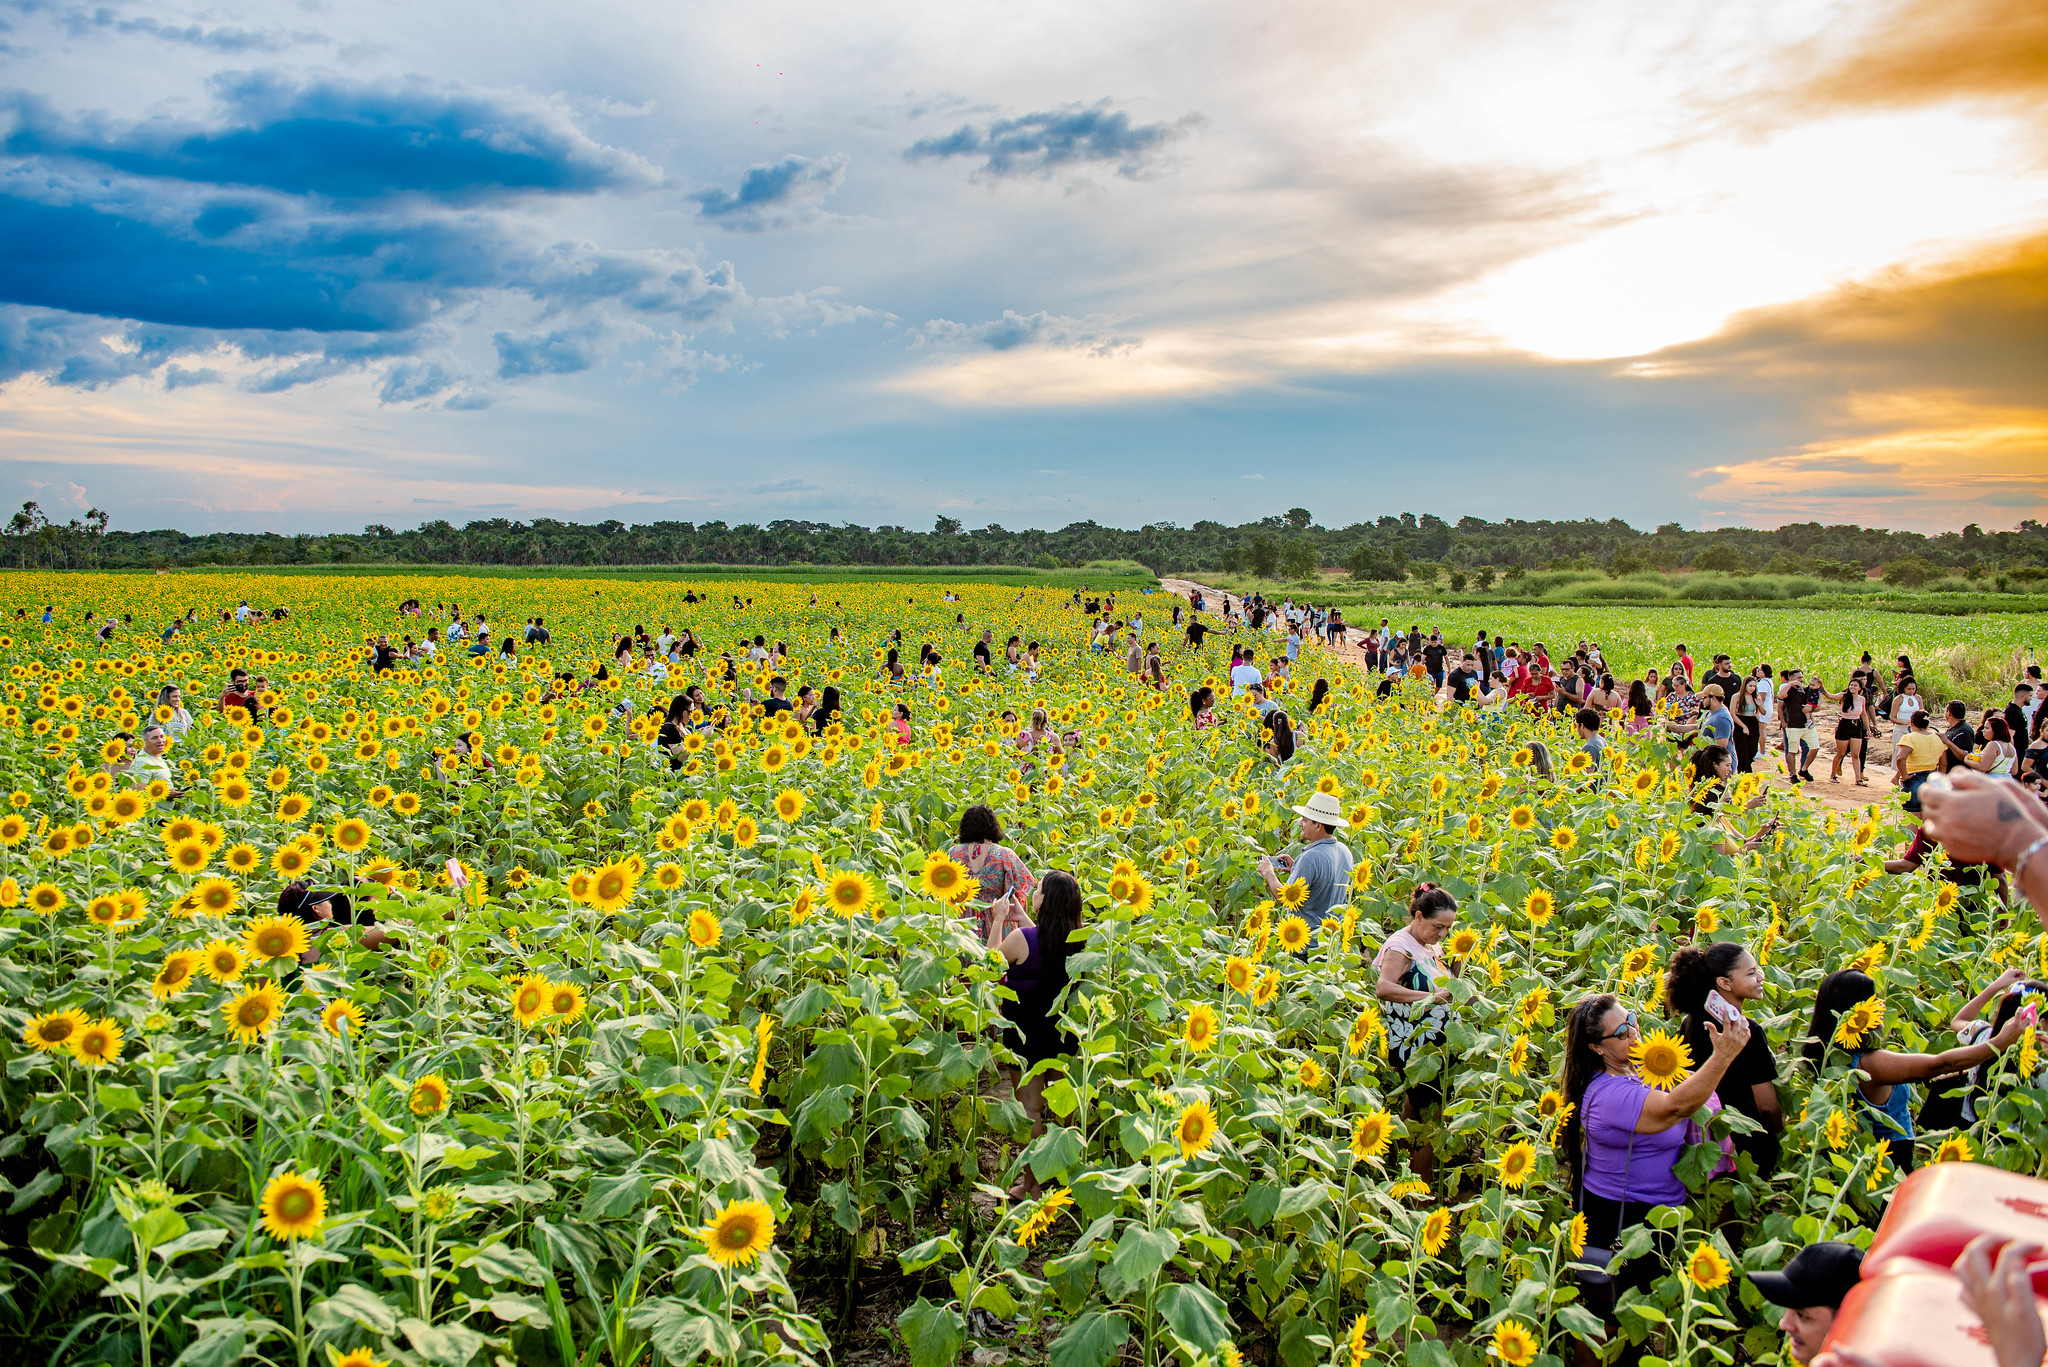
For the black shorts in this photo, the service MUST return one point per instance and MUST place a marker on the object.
(1849, 730)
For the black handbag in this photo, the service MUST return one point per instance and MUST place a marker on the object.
(1593, 1267)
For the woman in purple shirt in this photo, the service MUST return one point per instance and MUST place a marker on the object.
(1623, 1137)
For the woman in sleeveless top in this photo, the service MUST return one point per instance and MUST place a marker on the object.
(1887, 1089)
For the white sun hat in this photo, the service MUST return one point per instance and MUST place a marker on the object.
(1323, 808)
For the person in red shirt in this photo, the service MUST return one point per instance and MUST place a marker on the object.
(238, 693)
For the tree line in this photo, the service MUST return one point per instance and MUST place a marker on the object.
(1288, 545)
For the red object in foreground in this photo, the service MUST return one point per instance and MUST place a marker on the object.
(1913, 1316)
(1938, 1210)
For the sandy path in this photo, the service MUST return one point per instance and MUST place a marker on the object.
(1844, 796)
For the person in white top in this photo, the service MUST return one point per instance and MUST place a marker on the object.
(1766, 695)
(1903, 707)
(173, 697)
(1243, 675)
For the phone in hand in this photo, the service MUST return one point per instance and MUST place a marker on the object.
(1720, 1008)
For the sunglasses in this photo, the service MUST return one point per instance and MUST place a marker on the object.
(1624, 1030)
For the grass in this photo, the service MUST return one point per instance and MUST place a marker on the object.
(1564, 588)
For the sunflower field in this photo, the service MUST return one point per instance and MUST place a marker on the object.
(665, 1064)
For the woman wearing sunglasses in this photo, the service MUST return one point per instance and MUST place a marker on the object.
(1622, 1138)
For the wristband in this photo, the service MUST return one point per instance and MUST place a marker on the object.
(2019, 865)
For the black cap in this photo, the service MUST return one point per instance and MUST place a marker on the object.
(1820, 1274)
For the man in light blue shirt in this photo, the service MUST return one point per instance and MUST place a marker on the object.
(1324, 863)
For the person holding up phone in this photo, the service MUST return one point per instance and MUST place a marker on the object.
(1712, 982)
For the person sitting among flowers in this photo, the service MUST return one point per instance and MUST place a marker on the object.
(994, 866)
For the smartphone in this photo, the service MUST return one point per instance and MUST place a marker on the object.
(456, 876)
(1720, 1008)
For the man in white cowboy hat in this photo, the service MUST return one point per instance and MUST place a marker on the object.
(1324, 862)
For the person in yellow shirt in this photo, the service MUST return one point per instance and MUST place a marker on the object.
(1917, 755)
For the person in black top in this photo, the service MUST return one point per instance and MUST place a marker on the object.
(1958, 738)
(777, 686)
(1463, 678)
(1795, 704)
(1433, 659)
(983, 655)
(1723, 673)
(1196, 631)
(827, 709)
(1717, 980)
(2019, 712)
(385, 659)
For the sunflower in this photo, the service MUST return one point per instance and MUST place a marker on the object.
(1662, 1060)
(1268, 988)
(242, 858)
(216, 896)
(1199, 1031)
(1370, 1136)
(800, 905)
(175, 975)
(529, 998)
(1517, 1163)
(1550, 1105)
(1436, 1230)
(1513, 1343)
(1575, 1232)
(253, 1015)
(1539, 907)
(1238, 974)
(565, 1000)
(612, 887)
(696, 811)
(1461, 944)
(849, 893)
(293, 1206)
(46, 899)
(1041, 1219)
(1521, 816)
(103, 910)
(1310, 1074)
(351, 835)
(745, 832)
(704, 929)
(943, 879)
(1955, 1149)
(341, 1016)
(1563, 839)
(98, 1044)
(405, 804)
(1706, 1268)
(53, 1031)
(1638, 962)
(291, 860)
(276, 937)
(1859, 1021)
(738, 1234)
(579, 886)
(223, 961)
(1294, 932)
(1294, 894)
(1196, 1128)
(1838, 1131)
(429, 1096)
(189, 856)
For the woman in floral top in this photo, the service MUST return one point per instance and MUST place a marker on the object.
(993, 865)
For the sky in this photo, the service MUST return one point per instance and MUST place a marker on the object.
(306, 267)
